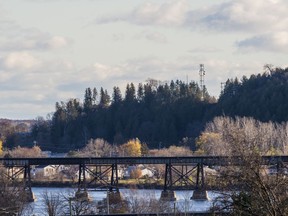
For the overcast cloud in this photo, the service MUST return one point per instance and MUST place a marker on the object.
(276, 42)
(53, 50)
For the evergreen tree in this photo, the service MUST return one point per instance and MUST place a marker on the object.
(130, 94)
(140, 92)
(117, 96)
(104, 98)
(94, 96)
(88, 99)
(161, 113)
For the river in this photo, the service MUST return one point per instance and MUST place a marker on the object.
(183, 201)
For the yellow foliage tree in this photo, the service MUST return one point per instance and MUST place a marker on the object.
(136, 173)
(132, 148)
(1, 147)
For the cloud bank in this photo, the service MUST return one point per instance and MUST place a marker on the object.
(164, 41)
(264, 20)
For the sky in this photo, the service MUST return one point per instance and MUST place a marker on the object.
(52, 50)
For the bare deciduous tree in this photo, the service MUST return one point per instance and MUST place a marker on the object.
(146, 203)
(221, 134)
(171, 151)
(97, 148)
(25, 152)
(12, 196)
(65, 204)
(248, 189)
(53, 203)
(251, 189)
(78, 206)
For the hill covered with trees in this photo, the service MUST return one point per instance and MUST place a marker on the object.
(263, 96)
(158, 114)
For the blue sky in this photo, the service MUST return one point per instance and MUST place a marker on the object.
(51, 50)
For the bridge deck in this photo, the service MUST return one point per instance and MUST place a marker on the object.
(206, 160)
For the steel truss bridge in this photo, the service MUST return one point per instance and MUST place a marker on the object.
(186, 172)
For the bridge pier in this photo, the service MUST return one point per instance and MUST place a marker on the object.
(200, 195)
(116, 203)
(30, 197)
(82, 195)
(114, 196)
(27, 184)
(200, 192)
(168, 194)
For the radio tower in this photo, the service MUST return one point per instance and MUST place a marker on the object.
(202, 86)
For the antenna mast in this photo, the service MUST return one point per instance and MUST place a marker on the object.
(202, 86)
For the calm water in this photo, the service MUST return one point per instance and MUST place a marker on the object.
(183, 198)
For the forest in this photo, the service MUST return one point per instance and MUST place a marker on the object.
(160, 114)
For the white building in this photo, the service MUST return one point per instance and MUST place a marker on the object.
(47, 170)
(145, 171)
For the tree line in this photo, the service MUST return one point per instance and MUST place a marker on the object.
(159, 114)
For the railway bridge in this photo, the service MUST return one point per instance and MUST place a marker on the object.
(186, 172)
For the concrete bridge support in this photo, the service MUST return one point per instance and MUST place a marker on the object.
(82, 184)
(200, 192)
(168, 194)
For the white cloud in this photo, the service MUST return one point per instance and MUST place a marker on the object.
(20, 61)
(153, 36)
(4, 77)
(170, 13)
(29, 85)
(139, 69)
(37, 90)
(277, 42)
(240, 15)
(243, 15)
(34, 40)
(100, 71)
(23, 71)
(134, 70)
(14, 37)
(35, 80)
(55, 42)
(258, 18)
